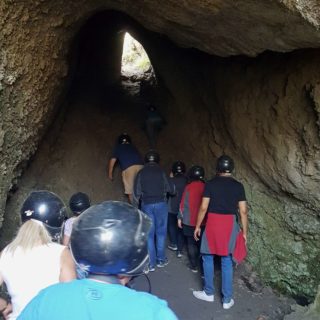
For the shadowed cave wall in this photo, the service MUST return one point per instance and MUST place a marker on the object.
(262, 111)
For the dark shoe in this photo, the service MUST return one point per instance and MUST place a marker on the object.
(162, 264)
(193, 269)
(172, 247)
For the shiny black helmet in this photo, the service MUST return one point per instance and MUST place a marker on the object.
(47, 207)
(111, 239)
(79, 202)
(196, 173)
(225, 164)
(124, 138)
(152, 156)
(178, 168)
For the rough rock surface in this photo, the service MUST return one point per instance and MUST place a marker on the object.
(265, 112)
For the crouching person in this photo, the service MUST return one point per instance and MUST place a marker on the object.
(109, 241)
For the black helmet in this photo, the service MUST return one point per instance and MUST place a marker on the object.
(124, 138)
(152, 156)
(196, 173)
(225, 164)
(79, 202)
(47, 207)
(151, 107)
(111, 239)
(178, 168)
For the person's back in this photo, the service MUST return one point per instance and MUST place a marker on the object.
(153, 183)
(180, 182)
(154, 122)
(26, 272)
(86, 299)
(127, 155)
(32, 261)
(191, 201)
(225, 191)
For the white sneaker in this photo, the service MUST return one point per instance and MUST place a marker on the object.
(228, 305)
(203, 296)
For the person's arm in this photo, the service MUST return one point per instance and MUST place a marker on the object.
(66, 240)
(67, 267)
(243, 210)
(67, 232)
(201, 214)
(5, 306)
(112, 162)
(181, 208)
(136, 194)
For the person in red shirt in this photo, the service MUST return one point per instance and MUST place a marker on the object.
(188, 213)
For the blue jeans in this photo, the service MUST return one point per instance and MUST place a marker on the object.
(158, 212)
(227, 276)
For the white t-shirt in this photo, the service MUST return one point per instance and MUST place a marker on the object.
(27, 272)
(68, 226)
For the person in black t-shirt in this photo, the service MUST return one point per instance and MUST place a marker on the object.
(223, 198)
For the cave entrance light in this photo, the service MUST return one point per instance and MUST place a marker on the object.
(135, 61)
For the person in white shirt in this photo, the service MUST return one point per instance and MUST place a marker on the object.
(33, 261)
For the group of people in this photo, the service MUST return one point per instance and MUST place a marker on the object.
(79, 268)
(87, 278)
(205, 215)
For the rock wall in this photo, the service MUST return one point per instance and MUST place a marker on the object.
(264, 112)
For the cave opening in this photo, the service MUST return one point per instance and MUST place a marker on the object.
(262, 111)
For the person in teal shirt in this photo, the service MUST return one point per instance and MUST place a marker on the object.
(109, 242)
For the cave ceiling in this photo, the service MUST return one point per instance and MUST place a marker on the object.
(231, 27)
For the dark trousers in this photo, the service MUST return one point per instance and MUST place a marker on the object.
(193, 247)
(176, 236)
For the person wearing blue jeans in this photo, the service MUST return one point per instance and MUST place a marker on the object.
(158, 213)
(223, 199)
(227, 275)
(151, 188)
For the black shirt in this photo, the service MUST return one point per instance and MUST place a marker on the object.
(180, 182)
(152, 185)
(225, 193)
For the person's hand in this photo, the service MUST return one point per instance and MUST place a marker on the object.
(245, 238)
(171, 175)
(6, 310)
(197, 233)
(180, 223)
